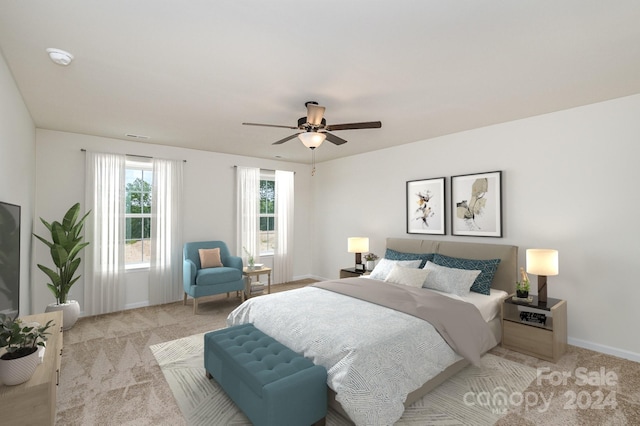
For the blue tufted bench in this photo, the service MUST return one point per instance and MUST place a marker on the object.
(270, 383)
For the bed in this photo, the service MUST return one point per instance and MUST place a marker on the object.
(380, 360)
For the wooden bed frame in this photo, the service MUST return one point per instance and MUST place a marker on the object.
(504, 279)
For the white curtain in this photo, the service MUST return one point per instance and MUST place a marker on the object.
(248, 209)
(104, 230)
(283, 256)
(165, 272)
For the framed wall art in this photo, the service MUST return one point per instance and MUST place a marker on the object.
(476, 204)
(426, 206)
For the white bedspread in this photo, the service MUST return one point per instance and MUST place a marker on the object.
(374, 356)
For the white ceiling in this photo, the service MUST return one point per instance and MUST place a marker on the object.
(188, 73)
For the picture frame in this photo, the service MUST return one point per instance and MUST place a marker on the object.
(426, 206)
(476, 204)
(359, 267)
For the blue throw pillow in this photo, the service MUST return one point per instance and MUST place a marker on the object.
(488, 268)
(398, 255)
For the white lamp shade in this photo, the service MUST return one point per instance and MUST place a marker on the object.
(312, 139)
(542, 262)
(357, 244)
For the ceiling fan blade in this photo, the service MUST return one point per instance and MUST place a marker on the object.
(350, 126)
(314, 114)
(288, 138)
(334, 139)
(270, 125)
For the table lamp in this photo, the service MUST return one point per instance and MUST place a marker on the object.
(542, 262)
(358, 245)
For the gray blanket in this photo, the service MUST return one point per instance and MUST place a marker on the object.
(459, 323)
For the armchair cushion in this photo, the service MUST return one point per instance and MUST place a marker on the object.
(210, 258)
(221, 275)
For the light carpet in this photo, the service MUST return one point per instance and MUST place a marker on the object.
(476, 395)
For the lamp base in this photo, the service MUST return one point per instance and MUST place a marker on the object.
(358, 259)
(542, 289)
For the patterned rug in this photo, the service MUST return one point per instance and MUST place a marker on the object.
(476, 395)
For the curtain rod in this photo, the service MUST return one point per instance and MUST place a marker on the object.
(131, 155)
(266, 170)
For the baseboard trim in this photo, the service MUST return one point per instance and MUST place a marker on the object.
(136, 305)
(620, 353)
(309, 277)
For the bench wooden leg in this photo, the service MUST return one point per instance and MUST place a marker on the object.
(184, 301)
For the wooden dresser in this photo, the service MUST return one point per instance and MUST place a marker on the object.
(34, 402)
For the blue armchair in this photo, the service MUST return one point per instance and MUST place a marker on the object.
(200, 282)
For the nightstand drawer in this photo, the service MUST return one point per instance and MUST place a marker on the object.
(529, 339)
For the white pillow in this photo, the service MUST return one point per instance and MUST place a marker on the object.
(450, 280)
(411, 277)
(385, 266)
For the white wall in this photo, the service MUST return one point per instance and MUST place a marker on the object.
(209, 199)
(17, 168)
(570, 182)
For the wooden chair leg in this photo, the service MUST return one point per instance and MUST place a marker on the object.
(184, 301)
(227, 295)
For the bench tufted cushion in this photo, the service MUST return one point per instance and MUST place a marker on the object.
(256, 358)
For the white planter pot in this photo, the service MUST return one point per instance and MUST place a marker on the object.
(370, 265)
(19, 370)
(70, 312)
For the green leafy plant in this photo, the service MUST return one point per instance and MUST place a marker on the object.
(19, 339)
(65, 246)
(249, 257)
(523, 286)
(370, 257)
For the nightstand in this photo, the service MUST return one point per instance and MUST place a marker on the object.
(534, 328)
(351, 272)
(249, 273)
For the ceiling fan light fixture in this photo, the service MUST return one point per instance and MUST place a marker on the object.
(59, 56)
(312, 140)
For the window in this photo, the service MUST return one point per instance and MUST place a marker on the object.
(267, 215)
(138, 183)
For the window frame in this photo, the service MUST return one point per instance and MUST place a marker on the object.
(266, 175)
(144, 166)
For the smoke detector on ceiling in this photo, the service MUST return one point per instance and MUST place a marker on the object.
(59, 56)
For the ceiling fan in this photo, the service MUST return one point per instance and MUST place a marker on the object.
(315, 129)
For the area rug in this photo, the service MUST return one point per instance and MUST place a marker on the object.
(476, 395)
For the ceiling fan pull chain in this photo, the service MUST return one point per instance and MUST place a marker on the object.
(313, 162)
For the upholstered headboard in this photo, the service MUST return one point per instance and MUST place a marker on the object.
(506, 274)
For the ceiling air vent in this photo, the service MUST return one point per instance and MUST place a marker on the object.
(138, 137)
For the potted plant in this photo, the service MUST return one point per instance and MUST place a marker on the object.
(65, 246)
(371, 260)
(523, 286)
(21, 341)
(250, 259)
